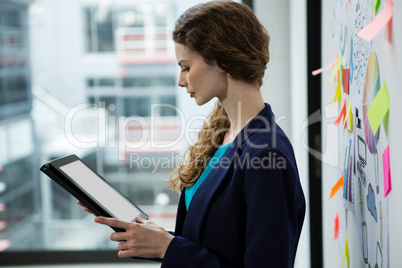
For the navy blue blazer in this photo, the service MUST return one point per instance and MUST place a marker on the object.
(250, 209)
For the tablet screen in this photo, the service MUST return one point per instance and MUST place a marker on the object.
(116, 204)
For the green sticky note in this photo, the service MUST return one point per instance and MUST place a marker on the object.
(379, 108)
(376, 5)
(386, 122)
(335, 70)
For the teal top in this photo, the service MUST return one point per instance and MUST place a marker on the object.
(190, 192)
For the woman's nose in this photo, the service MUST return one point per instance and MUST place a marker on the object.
(182, 82)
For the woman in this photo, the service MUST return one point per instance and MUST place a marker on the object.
(241, 202)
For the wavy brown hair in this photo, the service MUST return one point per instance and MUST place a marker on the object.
(229, 35)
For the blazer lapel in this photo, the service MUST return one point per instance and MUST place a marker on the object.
(201, 199)
(181, 214)
(192, 225)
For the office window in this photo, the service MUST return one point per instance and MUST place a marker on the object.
(16, 89)
(106, 82)
(131, 17)
(90, 82)
(1, 92)
(168, 106)
(99, 30)
(136, 82)
(12, 18)
(14, 54)
(140, 106)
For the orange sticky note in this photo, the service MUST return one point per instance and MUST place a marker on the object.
(336, 187)
(347, 114)
(336, 228)
(375, 26)
(342, 114)
(387, 171)
(318, 71)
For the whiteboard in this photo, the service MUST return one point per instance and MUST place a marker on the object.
(389, 57)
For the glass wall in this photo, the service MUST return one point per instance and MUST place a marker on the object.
(92, 79)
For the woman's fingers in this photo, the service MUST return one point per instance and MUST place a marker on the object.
(112, 222)
(85, 208)
(81, 204)
(122, 246)
(119, 237)
(125, 253)
(139, 219)
(142, 238)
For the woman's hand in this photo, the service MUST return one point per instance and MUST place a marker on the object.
(142, 238)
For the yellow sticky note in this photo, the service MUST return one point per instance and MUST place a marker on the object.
(338, 93)
(346, 254)
(335, 69)
(350, 120)
(379, 108)
(348, 112)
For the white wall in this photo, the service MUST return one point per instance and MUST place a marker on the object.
(285, 86)
(390, 64)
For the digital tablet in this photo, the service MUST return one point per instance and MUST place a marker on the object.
(71, 173)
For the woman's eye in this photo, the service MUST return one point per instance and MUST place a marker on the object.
(185, 69)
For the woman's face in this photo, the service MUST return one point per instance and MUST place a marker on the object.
(202, 81)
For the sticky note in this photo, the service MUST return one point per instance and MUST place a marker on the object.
(387, 171)
(348, 112)
(338, 93)
(389, 31)
(336, 228)
(346, 253)
(385, 121)
(342, 114)
(318, 71)
(346, 81)
(336, 68)
(379, 108)
(336, 187)
(375, 26)
(350, 119)
(376, 5)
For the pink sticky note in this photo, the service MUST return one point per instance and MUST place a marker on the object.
(322, 69)
(375, 26)
(346, 81)
(387, 171)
